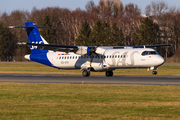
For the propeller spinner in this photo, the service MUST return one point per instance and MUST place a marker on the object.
(92, 52)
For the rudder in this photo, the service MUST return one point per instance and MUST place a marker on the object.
(35, 37)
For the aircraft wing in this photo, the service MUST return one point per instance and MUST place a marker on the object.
(140, 46)
(149, 46)
(76, 49)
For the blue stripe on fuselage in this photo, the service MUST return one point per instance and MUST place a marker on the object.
(41, 58)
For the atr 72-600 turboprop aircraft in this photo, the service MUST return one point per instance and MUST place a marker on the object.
(90, 58)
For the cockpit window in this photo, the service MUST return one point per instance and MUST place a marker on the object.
(149, 53)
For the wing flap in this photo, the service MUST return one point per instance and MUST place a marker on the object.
(29, 27)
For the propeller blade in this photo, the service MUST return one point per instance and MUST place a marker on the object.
(85, 43)
(92, 52)
(87, 53)
(139, 43)
(98, 56)
(92, 40)
(91, 61)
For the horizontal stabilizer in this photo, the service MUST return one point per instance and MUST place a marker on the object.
(61, 48)
(23, 43)
(30, 27)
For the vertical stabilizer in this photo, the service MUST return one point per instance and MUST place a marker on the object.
(35, 37)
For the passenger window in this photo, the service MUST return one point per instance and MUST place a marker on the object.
(110, 56)
(113, 56)
(59, 57)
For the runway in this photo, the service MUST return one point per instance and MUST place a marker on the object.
(93, 79)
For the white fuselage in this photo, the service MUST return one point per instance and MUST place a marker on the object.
(110, 59)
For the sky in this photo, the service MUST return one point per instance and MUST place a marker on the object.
(11, 5)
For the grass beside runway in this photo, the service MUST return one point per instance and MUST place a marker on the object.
(66, 101)
(36, 68)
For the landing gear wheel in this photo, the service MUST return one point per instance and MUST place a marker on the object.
(86, 73)
(154, 72)
(109, 73)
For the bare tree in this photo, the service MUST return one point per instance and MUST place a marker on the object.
(90, 6)
(158, 8)
(67, 23)
(132, 10)
(148, 10)
(118, 8)
(105, 7)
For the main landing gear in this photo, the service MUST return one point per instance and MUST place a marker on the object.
(86, 73)
(109, 73)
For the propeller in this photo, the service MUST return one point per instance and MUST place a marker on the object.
(92, 51)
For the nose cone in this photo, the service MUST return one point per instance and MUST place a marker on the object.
(160, 60)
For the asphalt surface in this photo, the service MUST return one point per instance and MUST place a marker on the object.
(93, 79)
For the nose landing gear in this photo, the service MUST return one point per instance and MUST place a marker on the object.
(154, 72)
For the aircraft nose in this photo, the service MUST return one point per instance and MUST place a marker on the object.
(160, 60)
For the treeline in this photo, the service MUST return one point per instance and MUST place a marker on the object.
(108, 23)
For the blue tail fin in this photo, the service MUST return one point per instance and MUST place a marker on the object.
(35, 37)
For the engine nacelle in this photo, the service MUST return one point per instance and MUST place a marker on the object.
(82, 50)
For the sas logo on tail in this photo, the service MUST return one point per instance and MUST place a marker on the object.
(35, 47)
